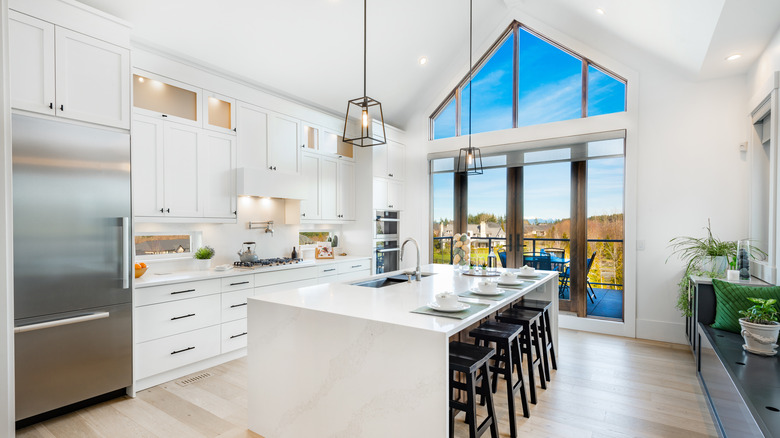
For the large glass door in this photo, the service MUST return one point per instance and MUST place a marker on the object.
(487, 204)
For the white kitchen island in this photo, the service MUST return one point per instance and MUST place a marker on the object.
(339, 360)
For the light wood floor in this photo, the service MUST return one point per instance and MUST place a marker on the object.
(605, 386)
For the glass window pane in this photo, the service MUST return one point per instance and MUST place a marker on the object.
(605, 236)
(444, 123)
(547, 155)
(443, 165)
(443, 195)
(605, 147)
(494, 160)
(605, 93)
(164, 98)
(157, 244)
(550, 82)
(487, 214)
(492, 94)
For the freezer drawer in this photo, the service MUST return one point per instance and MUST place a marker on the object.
(67, 358)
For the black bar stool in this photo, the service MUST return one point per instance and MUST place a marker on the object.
(472, 361)
(508, 356)
(546, 330)
(529, 337)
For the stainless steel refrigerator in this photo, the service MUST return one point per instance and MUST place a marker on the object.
(72, 263)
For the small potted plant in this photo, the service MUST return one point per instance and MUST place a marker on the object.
(203, 257)
(760, 327)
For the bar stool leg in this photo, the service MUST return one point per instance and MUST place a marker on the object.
(471, 412)
(548, 328)
(529, 360)
(489, 395)
(509, 365)
(538, 348)
(543, 343)
(519, 367)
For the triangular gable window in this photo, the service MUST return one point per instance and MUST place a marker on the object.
(543, 83)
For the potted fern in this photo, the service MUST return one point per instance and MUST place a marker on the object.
(203, 257)
(760, 327)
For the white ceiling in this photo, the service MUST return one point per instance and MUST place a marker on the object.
(312, 49)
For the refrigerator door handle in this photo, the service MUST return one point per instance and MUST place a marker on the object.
(125, 252)
(61, 322)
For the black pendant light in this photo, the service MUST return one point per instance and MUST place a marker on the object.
(470, 158)
(361, 112)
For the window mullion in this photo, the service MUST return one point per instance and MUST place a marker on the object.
(516, 75)
(584, 88)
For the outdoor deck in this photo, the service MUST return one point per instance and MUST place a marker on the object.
(608, 303)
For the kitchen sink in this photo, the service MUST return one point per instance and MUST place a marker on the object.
(386, 281)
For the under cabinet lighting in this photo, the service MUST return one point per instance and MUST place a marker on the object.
(141, 79)
(733, 57)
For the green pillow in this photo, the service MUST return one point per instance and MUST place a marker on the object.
(731, 298)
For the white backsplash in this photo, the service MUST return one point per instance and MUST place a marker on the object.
(226, 239)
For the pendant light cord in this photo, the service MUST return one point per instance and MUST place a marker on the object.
(365, 25)
(471, 66)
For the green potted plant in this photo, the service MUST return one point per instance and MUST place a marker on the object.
(760, 327)
(703, 256)
(203, 257)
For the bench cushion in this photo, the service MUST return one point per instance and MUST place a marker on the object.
(732, 297)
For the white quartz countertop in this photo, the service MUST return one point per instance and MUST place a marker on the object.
(393, 304)
(170, 277)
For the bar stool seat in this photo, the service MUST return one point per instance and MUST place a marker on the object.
(508, 357)
(530, 343)
(472, 361)
(546, 330)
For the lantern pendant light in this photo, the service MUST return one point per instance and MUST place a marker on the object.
(361, 112)
(470, 158)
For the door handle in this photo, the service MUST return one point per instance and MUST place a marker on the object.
(61, 322)
(508, 243)
(125, 252)
(240, 282)
(237, 305)
(182, 317)
(182, 350)
(182, 291)
(240, 334)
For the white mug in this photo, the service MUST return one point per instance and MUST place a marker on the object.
(508, 276)
(487, 286)
(447, 300)
(527, 270)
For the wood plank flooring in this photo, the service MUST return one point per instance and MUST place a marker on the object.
(605, 386)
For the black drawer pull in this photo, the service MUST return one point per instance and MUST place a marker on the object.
(182, 351)
(238, 335)
(183, 291)
(238, 305)
(357, 266)
(180, 317)
(241, 282)
(329, 270)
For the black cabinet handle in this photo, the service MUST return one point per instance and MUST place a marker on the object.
(357, 266)
(270, 167)
(303, 214)
(274, 167)
(162, 210)
(183, 350)
(238, 335)
(234, 130)
(51, 105)
(391, 175)
(182, 317)
(240, 282)
(168, 210)
(183, 291)
(165, 115)
(303, 145)
(235, 212)
(238, 305)
(62, 107)
(329, 270)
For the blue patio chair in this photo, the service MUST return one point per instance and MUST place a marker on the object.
(538, 261)
(564, 283)
(502, 257)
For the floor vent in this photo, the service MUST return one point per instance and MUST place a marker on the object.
(193, 379)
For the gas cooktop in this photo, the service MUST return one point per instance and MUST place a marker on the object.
(278, 261)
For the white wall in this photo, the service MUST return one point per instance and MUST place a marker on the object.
(762, 69)
(683, 167)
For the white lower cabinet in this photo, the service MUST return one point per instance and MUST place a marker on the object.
(340, 272)
(160, 355)
(234, 335)
(165, 319)
(234, 304)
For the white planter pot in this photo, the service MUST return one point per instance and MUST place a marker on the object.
(760, 338)
(203, 264)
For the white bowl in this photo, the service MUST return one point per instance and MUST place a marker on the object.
(487, 286)
(447, 300)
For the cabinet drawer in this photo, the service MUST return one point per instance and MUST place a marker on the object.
(353, 266)
(285, 276)
(178, 291)
(285, 286)
(166, 319)
(234, 304)
(233, 335)
(165, 354)
(354, 275)
(238, 283)
(326, 270)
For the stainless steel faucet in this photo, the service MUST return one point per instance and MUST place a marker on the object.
(417, 273)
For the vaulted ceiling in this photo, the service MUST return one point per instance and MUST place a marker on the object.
(312, 49)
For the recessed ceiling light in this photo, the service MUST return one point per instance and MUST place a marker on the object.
(423, 60)
(733, 57)
(600, 11)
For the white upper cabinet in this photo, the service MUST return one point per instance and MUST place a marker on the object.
(346, 190)
(388, 194)
(219, 112)
(329, 169)
(283, 143)
(218, 170)
(93, 80)
(147, 169)
(57, 71)
(389, 160)
(325, 140)
(310, 172)
(158, 96)
(182, 152)
(252, 136)
(31, 46)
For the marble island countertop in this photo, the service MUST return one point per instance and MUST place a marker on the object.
(178, 276)
(393, 304)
